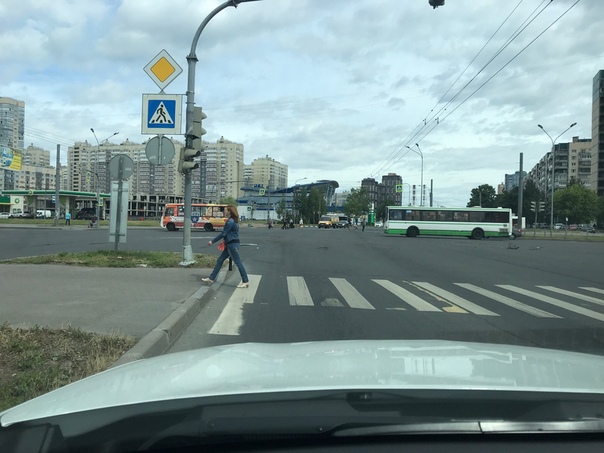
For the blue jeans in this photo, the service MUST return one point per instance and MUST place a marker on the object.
(233, 251)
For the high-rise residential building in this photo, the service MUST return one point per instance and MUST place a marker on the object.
(597, 134)
(35, 157)
(387, 189)
(267, 172)
(513, 180)
(12, 132)
(571, 160)
(579, 162)
(384, 192)
(223, 162)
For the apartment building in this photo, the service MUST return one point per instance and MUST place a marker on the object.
(223, 164)
(12, 131)
(266, 172)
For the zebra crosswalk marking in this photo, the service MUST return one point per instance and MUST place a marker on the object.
(231, 318)
(573, 294)
(508, 301)
(556, 302)
(352, 297)
(595, 290)
(406, 296)
(298, 291)
(456, 300)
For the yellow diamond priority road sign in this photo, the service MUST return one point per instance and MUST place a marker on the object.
(163, 69)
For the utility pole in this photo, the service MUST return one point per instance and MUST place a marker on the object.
(57, 186)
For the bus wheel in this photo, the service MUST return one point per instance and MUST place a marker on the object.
(171, 227)
(412, 232)
(208, 227)
(477, 233)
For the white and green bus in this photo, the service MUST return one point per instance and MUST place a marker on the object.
(475, 223)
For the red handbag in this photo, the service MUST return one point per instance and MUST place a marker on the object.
(221, 246)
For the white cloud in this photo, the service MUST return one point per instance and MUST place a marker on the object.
(332, 89)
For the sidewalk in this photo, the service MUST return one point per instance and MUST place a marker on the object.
(154, 305)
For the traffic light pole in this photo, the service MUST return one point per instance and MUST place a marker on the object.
(187, 251)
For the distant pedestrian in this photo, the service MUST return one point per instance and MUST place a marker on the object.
(363, 221)
(291, 223)
(68, 218)
(301, 222)
(270, 224)
(230, 235)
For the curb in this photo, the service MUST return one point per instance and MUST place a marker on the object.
(160, 339)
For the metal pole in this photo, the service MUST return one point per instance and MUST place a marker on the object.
(553, 140)
(421, 196)
(187, 252)
(520, 190)
(57, 186)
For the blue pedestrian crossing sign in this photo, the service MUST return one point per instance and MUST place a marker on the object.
(399, 188)
(162, 114)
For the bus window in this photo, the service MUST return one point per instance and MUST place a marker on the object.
(169, 211)
(477, 217)
(460, 216)
(428, 216)
(445, 216)
(395, 214)
(497, 217)
(181, 210)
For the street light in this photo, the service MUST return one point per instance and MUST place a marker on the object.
(421, 189)
(98, 195)
(187, 250)
(551, 223)
(301, 179)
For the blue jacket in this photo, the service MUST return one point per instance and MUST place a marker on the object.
(230, 232)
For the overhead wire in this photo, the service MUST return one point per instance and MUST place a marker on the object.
(428, 121)
(503, 67)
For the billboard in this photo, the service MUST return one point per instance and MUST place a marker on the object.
(10, 159)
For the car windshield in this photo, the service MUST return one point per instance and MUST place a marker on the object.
(368, 194)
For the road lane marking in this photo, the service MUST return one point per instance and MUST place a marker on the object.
(555, 302)
(298, 291)
(231, 319)
(350, 294)
(508, 301)
(332, 302)
(406, 296)
(573, 294)
(456, 300)
(595, 290)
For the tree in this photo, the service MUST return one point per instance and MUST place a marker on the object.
(484, 196)
(600, 215)
(577, 203)
(357, 203)
(281, 209)
(509, 199)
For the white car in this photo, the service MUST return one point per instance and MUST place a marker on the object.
(4, 215)
(379, 224)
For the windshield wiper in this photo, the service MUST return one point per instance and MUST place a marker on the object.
(474, 427)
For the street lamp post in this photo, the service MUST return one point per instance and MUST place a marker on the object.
(98, 194)
(553, 140)
(187, 251)
(421, 187)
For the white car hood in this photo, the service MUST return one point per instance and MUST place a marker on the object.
(330, 365)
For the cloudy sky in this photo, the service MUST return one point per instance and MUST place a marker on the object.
(335, 89)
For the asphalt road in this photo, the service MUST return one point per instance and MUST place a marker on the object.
(310, 284)
(315, 284)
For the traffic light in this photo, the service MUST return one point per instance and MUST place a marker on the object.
(533, 206)
(186, 161)
(542, 205)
